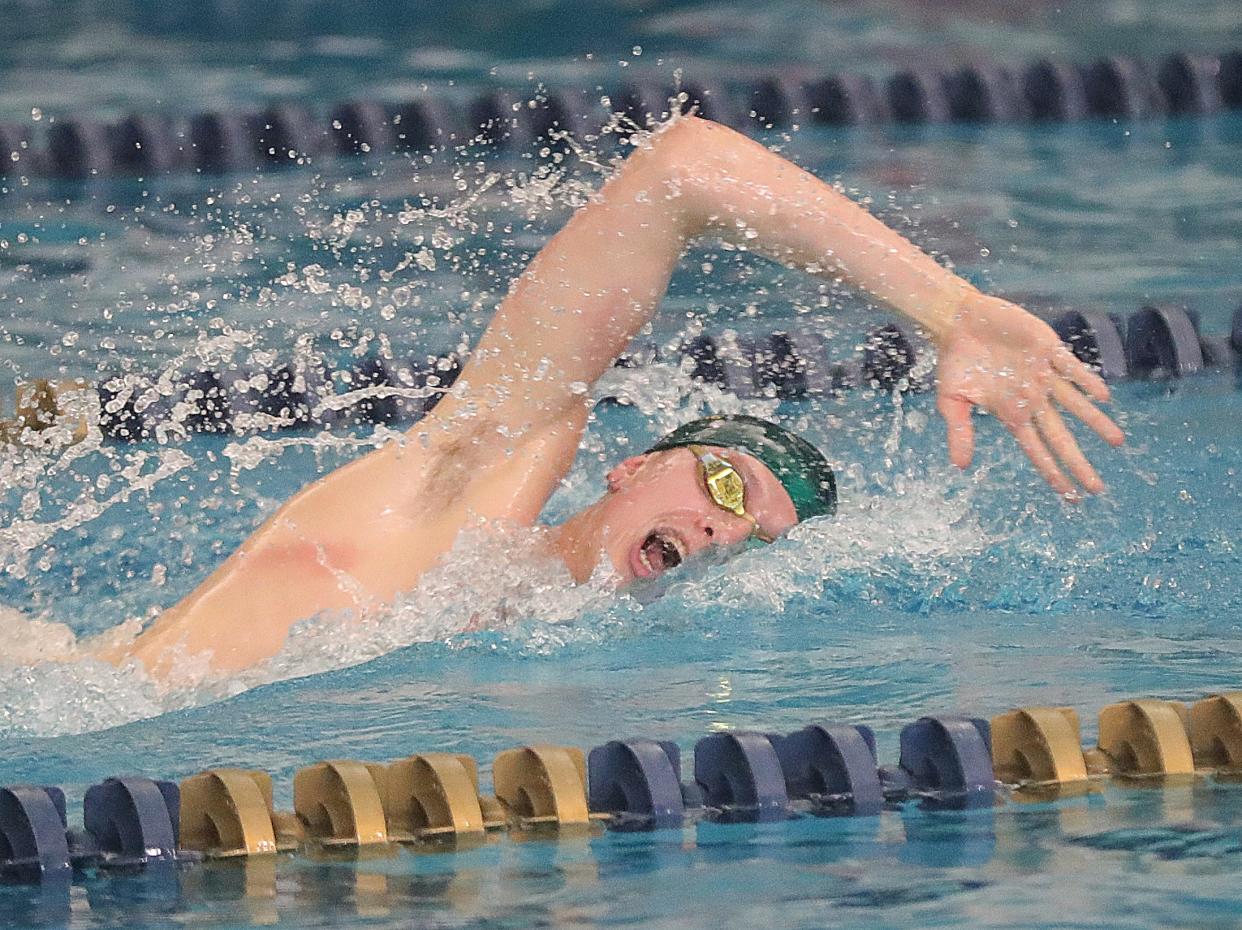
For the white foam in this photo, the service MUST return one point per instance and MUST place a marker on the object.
(924, 535)
(51, 685)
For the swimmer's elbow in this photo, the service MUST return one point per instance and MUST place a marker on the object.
(685, 145)
(695, 159)
(688, 135)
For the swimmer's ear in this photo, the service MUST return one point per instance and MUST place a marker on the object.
(619, 475)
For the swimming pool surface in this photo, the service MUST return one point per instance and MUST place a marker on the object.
(930, 591)
(108, 57)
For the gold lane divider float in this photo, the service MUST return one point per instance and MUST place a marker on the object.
(435, 795)
(1144, 737)
(228, 812)
(543, 785)
(41, 404)
(342, 803)
(1215, 726)
(1038, 745)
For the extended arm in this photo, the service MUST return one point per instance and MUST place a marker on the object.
(600, 279)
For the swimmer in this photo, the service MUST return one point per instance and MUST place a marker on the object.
(504, 437)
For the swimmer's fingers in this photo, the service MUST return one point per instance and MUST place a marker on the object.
(961, 438)
(1032, 444)
(1065, 363)
(1057, 435)
(1074, 402)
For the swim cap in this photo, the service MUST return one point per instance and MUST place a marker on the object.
(800, 468)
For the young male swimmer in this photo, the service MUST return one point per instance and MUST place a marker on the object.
(500, 442)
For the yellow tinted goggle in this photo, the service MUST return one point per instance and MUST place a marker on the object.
(726, 488)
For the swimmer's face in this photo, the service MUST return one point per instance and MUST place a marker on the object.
(658, 513)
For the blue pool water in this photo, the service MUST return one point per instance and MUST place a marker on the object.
(108, 57)
(931, 591)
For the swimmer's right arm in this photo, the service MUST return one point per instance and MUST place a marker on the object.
(601, 278)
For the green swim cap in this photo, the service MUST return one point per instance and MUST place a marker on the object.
(798, 465)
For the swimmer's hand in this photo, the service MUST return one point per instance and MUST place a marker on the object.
(996, 356)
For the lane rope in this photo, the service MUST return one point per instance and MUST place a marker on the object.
(285, 133)
(1155, 342)
(946, 762)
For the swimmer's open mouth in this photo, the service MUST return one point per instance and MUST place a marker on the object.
(659, 552)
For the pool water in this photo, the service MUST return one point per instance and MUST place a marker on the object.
(112, 57)
(931, 591)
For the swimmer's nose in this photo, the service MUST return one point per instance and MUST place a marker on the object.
(722, 531)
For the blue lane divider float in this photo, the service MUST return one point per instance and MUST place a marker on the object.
(1095, 337)
(133, 820)
(638, 782)
(1164, 338)
(834, 766)
(949, 761)
(888, 357)
(34, 840)
(285, 133)
(741, 776)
